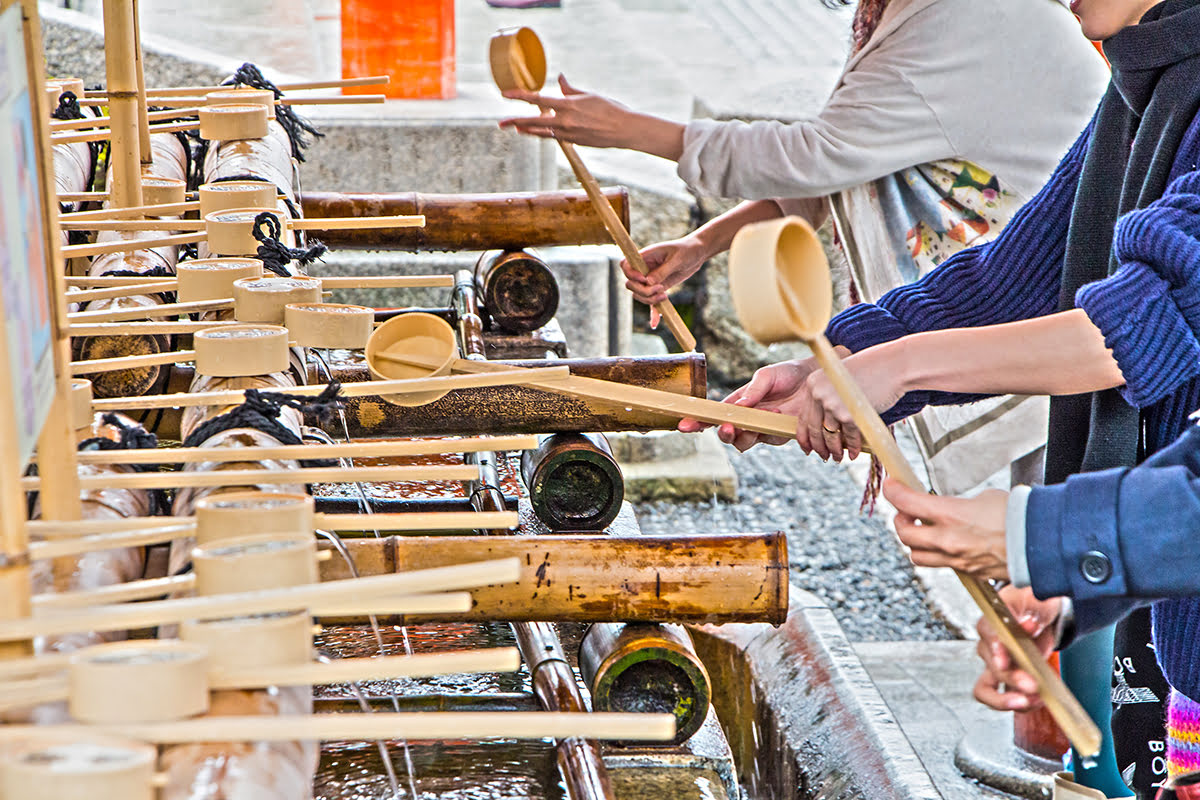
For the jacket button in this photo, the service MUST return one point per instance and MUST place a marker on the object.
(1095, 566)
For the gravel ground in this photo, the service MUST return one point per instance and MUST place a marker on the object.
(849, 560)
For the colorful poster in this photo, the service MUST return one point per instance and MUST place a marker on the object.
(24, 290)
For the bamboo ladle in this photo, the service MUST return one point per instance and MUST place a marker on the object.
(228, 232)
(386, 590)
(158, 529)
(518, 62)
(797, 305)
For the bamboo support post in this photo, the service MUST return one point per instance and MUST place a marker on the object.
(254, 477)
(393, 588)
(123, 103)
(382, 726)
(384, 449)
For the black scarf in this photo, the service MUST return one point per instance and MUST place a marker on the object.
(1152, 99)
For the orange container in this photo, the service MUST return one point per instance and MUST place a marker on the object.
(412, 41)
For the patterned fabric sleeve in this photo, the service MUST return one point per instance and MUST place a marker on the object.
(1015, 277)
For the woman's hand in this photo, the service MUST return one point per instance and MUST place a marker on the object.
(1002, 686)
(826, 427)
(966, 534)
(595, 121)
(773, 389)
(670, 264)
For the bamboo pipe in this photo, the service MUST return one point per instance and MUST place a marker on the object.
(129, 290)
(121, 78)
(504, 221)
(422, 521)
(363, 389)
(715, 578)
(521, 409)
(801, 305)
(106, 134)
(267, 601)
(253, 477)
(524, 76)
(385, 449)
(163, 310)
(380, 726)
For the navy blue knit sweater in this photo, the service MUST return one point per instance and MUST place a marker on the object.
(1148, 310)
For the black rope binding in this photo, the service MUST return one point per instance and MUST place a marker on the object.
(133, 437)
(261, 410)
(153, 272)
(297, 127)
(68, 108)
(274, 254)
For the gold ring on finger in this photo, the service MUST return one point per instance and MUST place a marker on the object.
(834, 431)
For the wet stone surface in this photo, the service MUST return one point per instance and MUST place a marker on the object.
(849, 560)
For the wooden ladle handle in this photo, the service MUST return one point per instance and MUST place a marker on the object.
(1079, 728)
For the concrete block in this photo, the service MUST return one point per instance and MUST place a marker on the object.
(427, 146)
(668, 465)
